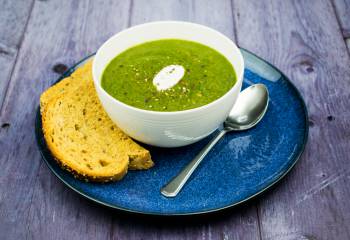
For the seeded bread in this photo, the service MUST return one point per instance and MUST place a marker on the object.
(79, 76)
(82, 137)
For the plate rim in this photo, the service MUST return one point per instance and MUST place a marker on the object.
(38, 136)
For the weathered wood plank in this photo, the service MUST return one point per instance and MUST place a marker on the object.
(45, 208)
(342, 9)
(218, 17)
(13, 19)
(305, 43)
(7, 61)
(34, 204)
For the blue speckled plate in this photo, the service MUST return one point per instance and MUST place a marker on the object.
(240, 166)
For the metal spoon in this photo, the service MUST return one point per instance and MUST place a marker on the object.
(249, 109)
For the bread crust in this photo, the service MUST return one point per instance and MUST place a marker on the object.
(62, 109)
(61, 157)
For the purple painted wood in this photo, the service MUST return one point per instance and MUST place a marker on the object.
(305, 43)
(13, 20)
(34, 204)
(342, 9)
(300, 37)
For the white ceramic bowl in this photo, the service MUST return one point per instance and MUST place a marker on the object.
(168, 129)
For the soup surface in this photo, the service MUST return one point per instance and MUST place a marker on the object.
(191, 75)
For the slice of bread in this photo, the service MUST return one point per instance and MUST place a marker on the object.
(82, 137)
(79, 76)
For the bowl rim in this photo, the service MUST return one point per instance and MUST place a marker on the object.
(238, 83)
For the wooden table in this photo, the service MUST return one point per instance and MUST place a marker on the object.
(308, 40)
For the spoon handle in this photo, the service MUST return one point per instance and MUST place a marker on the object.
(176, 184)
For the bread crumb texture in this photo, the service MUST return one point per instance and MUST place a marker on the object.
(82, 137)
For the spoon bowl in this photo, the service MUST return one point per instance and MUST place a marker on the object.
(249, 109)
(251, 106)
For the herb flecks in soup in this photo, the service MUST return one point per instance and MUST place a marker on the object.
(196, 75)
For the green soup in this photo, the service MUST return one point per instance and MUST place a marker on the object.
(129, 76)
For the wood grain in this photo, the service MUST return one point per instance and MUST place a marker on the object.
(305, 43)
(342, 9)
(13, 19)
(34, 204)
(45, 208)
(218, 17)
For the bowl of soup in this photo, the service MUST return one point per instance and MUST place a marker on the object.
(168, 83)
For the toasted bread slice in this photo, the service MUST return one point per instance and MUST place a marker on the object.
(82, 137)
(79, 76)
